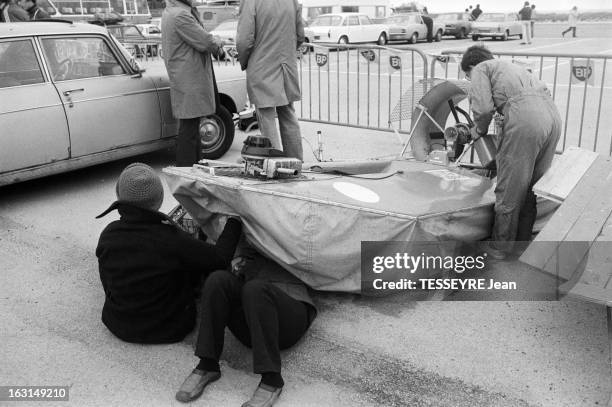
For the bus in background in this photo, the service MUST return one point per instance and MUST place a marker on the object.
(134, 11)
(376, 10)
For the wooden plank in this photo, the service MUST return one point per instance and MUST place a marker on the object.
(574, 207)
(564, 174)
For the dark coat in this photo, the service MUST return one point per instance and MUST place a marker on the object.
(525, 14)
(148, 268)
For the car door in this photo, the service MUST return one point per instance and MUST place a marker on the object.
(354, 30)
(107, 105)
(33, 129)
(422, 27)
(368, 29)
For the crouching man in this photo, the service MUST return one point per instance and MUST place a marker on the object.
(265, 307)
(150, 269)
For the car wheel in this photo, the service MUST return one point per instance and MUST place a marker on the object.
(343, 40)
(438, 36)
(474, 37)
(520, 36)
(413, 39)
(382, 39)
(304, 48)
(216, 134)
(504, 37)
(463, 33)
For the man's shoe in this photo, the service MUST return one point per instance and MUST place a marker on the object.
(194, 384)
(264, 396)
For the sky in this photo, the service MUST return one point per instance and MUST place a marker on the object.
(438, 6)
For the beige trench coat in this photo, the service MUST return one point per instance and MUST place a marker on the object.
(269, 33)
(187, 47)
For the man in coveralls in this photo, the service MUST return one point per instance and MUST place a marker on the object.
(531, 130)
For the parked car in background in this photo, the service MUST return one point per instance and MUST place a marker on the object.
(458, 25)
(71, 96)
(130, 36)
(347, 28)
(149, 30)
(308, 38)
(226, 31)
(497, 26)
(409, 27)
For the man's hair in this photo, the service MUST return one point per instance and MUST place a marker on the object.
(475, 55)
(526, 3)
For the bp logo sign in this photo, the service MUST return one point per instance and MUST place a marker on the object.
(369, 55)
(395, 62)
(321, 59)
(582, 71)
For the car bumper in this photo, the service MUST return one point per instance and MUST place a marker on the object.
(399, 37)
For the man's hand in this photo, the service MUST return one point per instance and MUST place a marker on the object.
(219, 52)
(474, 133)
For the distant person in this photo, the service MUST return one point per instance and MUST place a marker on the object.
(572, 21)
(533, 14)
(11, 12)
(268, 35)
(428, 21)
(476, 12)
(35, 12)
(149, 268)
(525, 18)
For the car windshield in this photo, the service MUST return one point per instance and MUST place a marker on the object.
(409, 19)
(326, 21)
(227, 26)
(493, 17)
(132, 31)
(449, 17)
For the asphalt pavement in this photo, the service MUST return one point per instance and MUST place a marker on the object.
(360, 351)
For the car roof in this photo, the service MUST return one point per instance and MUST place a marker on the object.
(30, 28)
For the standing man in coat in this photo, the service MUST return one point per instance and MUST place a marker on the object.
(269, 33)
(193, 90)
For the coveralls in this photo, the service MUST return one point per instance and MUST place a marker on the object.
(532, 126)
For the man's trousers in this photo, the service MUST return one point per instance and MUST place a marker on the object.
(290, 135)
(257, 312)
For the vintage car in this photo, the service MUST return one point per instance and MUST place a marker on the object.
(345, 28)
(134, 40)
(226, 31)
(497, 26)
(149, 30)
(458, 25)
(411, 28)
(71, 96)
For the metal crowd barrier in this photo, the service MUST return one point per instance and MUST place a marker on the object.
(364, 86)
(578, 85)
